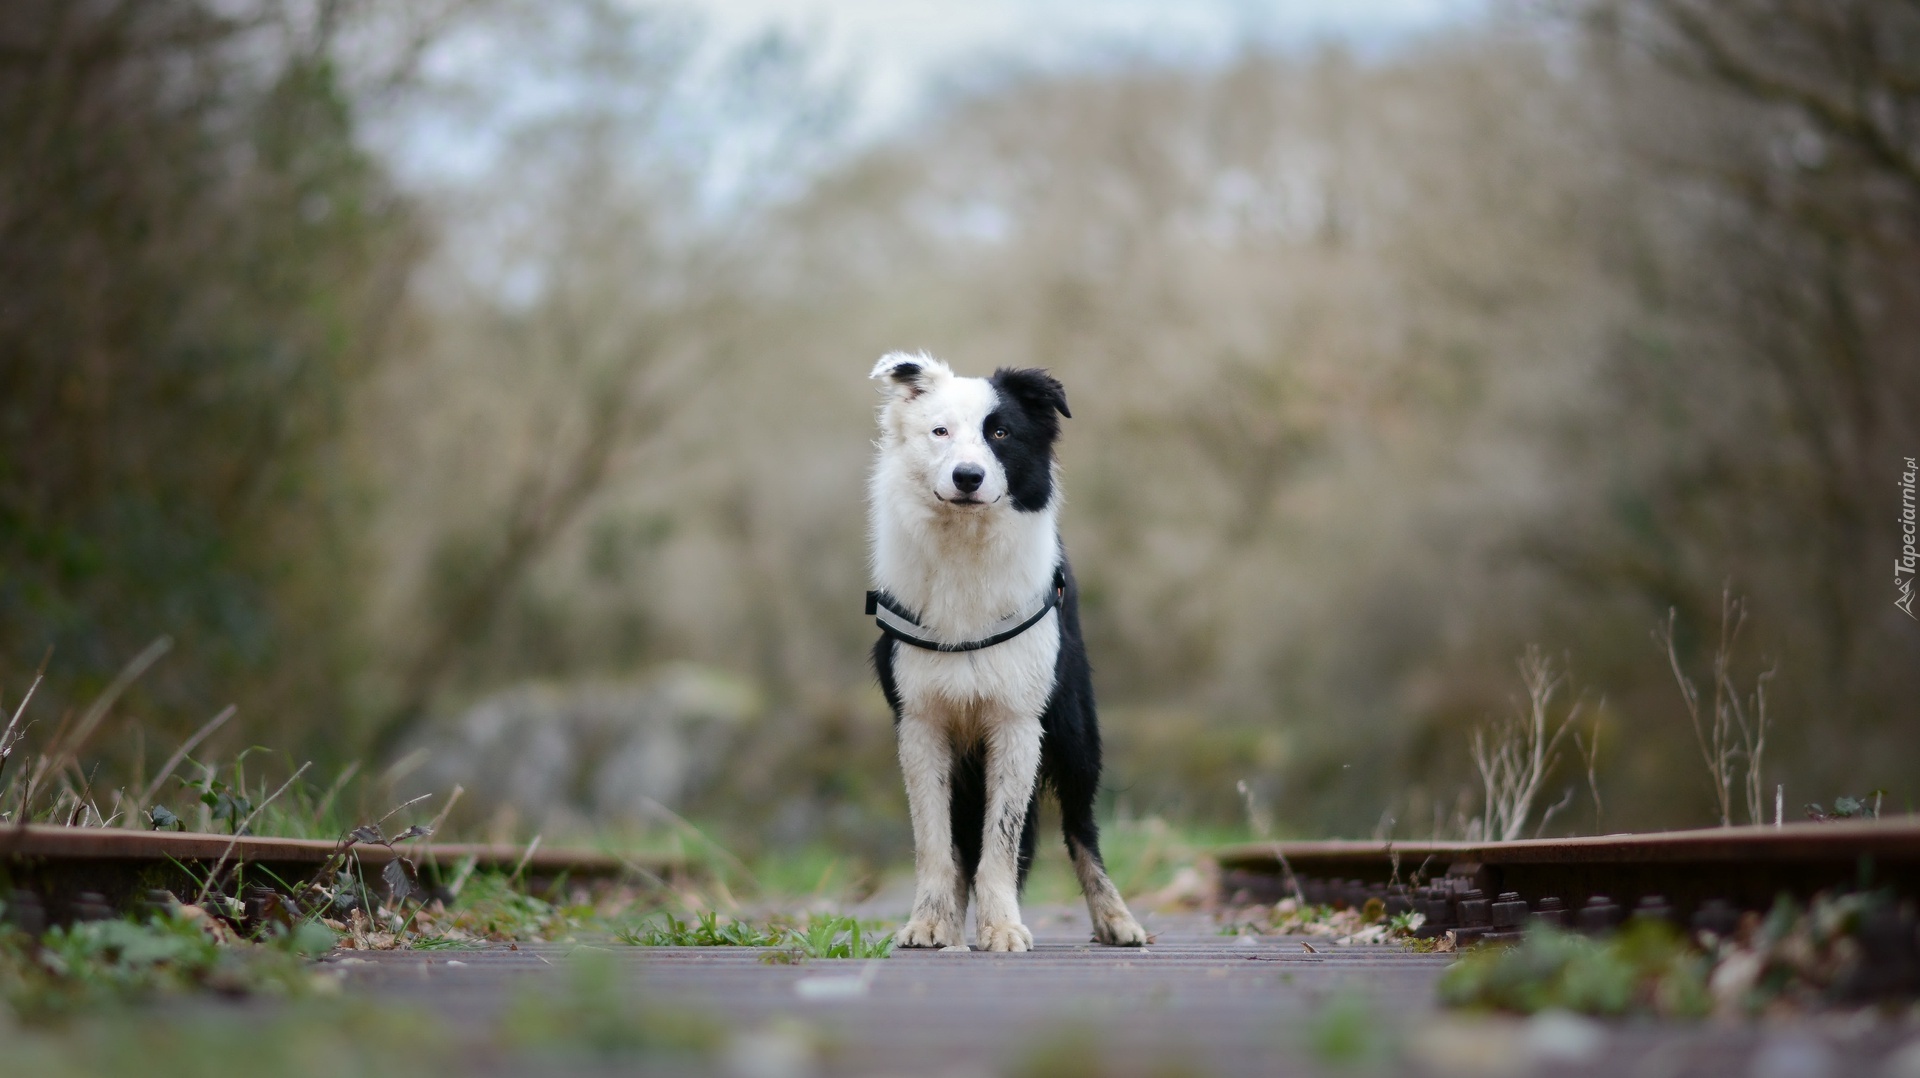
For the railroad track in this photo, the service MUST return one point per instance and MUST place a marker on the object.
(1704, 878)
(1479, 889)
(81, 872)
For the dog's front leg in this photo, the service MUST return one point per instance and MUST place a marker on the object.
(926, 761)
(1013, 762)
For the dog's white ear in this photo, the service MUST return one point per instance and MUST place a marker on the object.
(908, 375)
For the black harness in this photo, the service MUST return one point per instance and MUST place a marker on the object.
(896, 621)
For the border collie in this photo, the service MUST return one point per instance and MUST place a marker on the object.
(981, 656)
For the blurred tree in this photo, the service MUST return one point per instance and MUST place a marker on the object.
(196, 260)
(590, 302)
(1776, 280)
(1382, 367)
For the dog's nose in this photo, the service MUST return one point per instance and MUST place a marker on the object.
(968, 477)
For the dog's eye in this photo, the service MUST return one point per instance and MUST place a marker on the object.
(999, 432)
(939, 432)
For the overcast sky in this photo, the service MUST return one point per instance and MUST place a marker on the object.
(897, 54)
(901, 49)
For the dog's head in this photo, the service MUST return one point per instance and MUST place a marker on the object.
(972, 443)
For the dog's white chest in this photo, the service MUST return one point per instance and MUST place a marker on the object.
(1012, 679)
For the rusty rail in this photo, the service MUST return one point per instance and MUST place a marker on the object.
(63, 867)
(1704, 876)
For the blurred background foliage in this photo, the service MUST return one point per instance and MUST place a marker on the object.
(461, 377)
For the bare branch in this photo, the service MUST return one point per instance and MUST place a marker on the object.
(1848, 120)
(1736, 730)
(1515, 757)
(1547, 817)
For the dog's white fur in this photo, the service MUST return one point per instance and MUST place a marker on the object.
(963, 567)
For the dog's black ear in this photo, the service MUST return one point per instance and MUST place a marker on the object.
(1035, 389)
(910, 375)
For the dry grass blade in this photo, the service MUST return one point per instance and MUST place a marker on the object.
(452, 800)
(441, 818)
(12, 736)
(333, 791)
(707, 841)
(524, 858)
(180, 754)
(1262, 826)
(67, 740)
(13, 733)
(97, 711)
(402, 805)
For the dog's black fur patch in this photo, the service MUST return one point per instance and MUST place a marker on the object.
(1028, 400)
(907, 374)
(1069, 750)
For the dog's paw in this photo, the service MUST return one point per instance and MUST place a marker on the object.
(1007, 936)
(928, 932)
(1119, 930)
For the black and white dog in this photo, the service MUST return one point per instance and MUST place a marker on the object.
(981, 655)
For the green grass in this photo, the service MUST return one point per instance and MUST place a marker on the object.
(445, 943)
(93, 965)
(840, 937)
(492, 907)
(818, 936)
(1647, 968)
(705, 930)
(1805, 957)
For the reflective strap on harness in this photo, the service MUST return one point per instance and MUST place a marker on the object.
(899, 624)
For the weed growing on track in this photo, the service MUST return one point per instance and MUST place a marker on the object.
(839, 937)
(819, 936)
(1733, 732)
(1648, 968)
(705, 930)
(1515, 755)
(1830, 953)
(488, 906)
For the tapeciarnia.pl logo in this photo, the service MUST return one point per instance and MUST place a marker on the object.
(1904, 564)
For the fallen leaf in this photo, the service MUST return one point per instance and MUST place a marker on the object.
(398, 885)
